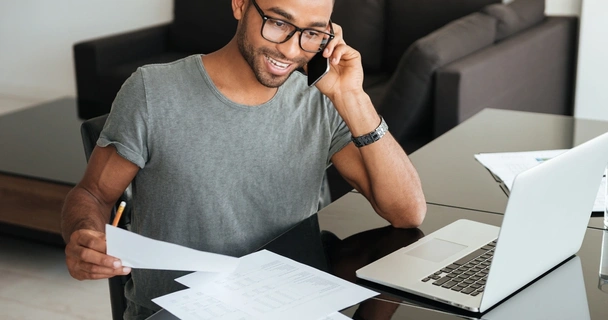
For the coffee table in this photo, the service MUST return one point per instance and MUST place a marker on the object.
(42, 159)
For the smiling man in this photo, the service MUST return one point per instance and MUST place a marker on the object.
(226, 151)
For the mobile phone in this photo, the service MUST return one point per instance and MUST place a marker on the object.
(317, 67)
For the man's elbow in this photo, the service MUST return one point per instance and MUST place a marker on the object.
(412, 217)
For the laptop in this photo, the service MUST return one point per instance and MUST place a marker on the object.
(474, 266)
(560, 294)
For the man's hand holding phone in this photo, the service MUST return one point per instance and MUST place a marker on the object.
(345, 72)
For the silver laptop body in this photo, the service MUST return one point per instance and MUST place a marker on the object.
(544, 224)
(561, 294)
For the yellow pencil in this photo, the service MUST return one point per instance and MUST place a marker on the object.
(121, 207)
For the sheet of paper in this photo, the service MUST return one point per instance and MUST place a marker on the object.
(137, 251)
(335, 316)
(506, 165)
(264, 286)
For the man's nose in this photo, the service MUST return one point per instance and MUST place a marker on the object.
(291, 48)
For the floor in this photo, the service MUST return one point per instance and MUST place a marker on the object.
(35, 284)
(34, 281)
(14, 103)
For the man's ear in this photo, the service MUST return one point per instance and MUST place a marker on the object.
(238, 8)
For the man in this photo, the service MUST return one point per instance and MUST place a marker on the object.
(228, 150)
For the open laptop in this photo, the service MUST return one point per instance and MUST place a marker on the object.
(474, 266)
(560, 294)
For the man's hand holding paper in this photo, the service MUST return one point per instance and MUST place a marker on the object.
(137, 251)
(86, 258)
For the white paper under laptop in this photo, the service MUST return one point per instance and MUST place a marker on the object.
(504, 166)
(544, 224)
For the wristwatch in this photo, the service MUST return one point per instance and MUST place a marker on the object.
(373, 136)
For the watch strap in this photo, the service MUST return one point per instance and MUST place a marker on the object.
(373, 136)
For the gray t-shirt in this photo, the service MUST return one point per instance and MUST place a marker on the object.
(215, 175)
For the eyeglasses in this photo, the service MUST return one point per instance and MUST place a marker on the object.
(279, 31)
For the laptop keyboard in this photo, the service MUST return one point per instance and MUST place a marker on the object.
(468, 274)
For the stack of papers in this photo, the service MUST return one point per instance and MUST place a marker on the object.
(506, 165)
(264, 286)
(261, 285)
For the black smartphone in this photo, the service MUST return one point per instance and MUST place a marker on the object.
(317, 67)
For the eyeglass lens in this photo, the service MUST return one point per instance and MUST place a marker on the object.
(280, 31)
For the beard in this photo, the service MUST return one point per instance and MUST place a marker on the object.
(252, 56)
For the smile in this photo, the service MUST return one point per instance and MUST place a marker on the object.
(277, 64)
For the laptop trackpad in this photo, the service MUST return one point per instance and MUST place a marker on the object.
(436, 250)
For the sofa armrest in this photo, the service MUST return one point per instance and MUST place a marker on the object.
(529, 71)
(124, 47)
(93, 56)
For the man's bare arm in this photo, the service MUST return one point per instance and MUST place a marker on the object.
(381, 170)
(383, 173)
(86, 211)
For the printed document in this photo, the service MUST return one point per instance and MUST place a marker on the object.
(506, 165)
(335, 316)
(264, 286)
(137, 251)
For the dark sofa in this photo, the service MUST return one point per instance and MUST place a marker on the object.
(530, 66)
(102, 65)
(381, 30)
(429, 64)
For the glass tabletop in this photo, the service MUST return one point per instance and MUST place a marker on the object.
(347, 235)
(451, 176)
(43, 142)
(571, 290)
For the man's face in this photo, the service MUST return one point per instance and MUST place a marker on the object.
(272, 63)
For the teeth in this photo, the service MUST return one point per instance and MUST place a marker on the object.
(277, 64)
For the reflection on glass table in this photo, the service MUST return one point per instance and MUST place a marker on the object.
(560, 294)
(603, 279)
(546, 298)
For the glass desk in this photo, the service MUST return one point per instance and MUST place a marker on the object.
(43, 142)
(354, 235)
(367, 237)
(451, 176)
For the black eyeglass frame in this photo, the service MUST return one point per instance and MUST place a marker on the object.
(296, 29)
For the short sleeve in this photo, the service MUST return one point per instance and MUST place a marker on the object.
(127, 125)
(340, 133)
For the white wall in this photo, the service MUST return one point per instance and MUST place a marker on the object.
(36, 38)
(563, 7)
(560, 7)
(591, 100)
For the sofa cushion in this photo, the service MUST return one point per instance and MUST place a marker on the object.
(363, 24)
(457, 39)
(407, 103)
(201, 26)
(516, 16)
(410, 20)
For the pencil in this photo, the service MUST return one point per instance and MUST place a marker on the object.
(121, 208)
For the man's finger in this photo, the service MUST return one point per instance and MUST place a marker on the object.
(87, 271)
(96, 270)
(90, 239)
(95, 257)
